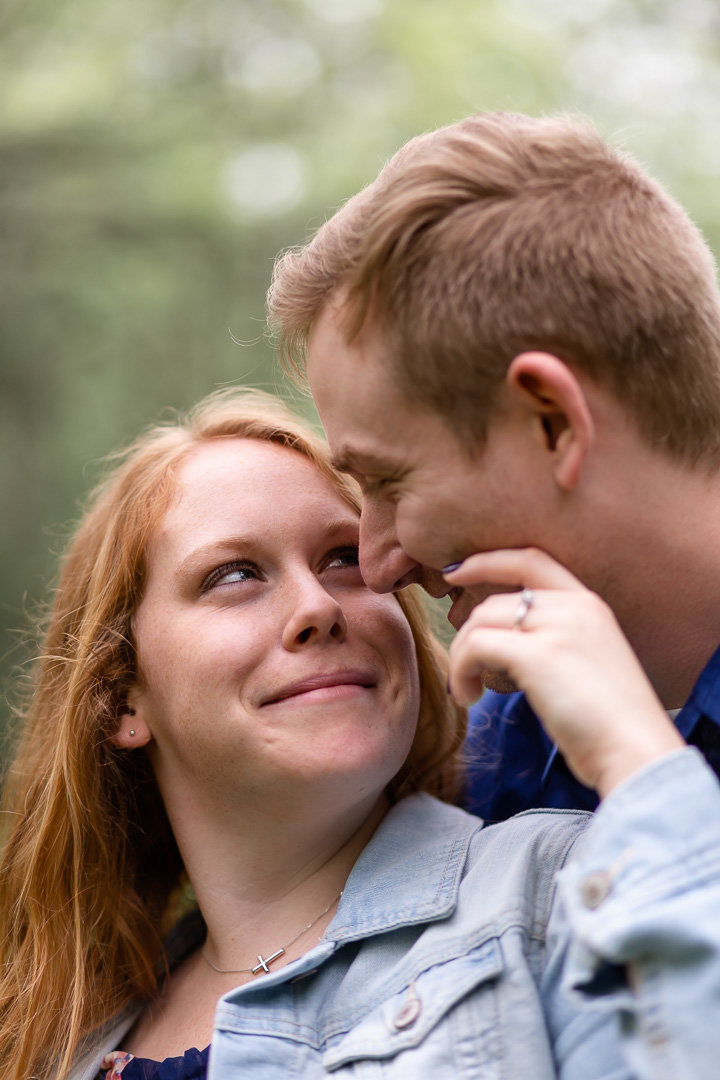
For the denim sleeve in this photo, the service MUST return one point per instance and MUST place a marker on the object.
(635, 931)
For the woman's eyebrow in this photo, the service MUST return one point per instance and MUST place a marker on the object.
(340, 525)
(230, 545)
(221, 545)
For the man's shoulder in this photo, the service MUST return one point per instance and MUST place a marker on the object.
(513, 765)
(506, 751)
(494, 708)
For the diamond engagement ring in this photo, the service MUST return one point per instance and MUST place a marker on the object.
(527, 599)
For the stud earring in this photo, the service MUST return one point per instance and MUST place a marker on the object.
(131, 712)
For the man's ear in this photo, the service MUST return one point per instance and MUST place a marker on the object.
(132, 731)
(545, 386)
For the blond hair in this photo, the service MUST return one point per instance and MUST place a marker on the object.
(503, 233)
(89, 861)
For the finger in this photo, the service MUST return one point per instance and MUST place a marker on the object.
(570, 616)
(496, 622)
(520, 567)
(473, 657)
(512, 610)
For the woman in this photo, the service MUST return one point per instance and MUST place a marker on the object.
(220, 696)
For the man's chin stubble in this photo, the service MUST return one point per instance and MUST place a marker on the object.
(500, 682)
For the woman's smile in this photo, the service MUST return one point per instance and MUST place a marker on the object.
(254, 612)
(326, 687)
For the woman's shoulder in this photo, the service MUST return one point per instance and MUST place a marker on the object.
(530, 834)
(546, 829)
(552, 827)
(493, 879)
(506, 872)
(522, 855)
(490, 870)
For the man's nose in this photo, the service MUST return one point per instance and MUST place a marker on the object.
(384, 565)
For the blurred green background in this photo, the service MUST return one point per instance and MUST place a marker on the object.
(155, 155)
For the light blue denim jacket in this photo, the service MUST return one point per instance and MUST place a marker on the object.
(452, 955)
(552, 945)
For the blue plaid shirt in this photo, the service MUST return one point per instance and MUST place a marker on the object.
(514, 766)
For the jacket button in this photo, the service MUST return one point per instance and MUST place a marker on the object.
(595, 889)
(408, 1014)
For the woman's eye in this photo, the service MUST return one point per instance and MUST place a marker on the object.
(342, 557)
(230, 574)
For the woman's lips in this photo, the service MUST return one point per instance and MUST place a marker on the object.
(335, 683)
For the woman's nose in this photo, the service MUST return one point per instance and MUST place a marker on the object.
(315, 615)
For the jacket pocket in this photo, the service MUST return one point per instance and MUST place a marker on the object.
(422, 1018)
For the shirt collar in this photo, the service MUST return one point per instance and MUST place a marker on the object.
(704, 699)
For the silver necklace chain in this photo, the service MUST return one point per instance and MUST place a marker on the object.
(264, 961)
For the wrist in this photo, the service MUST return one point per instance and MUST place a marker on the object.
(630, 756)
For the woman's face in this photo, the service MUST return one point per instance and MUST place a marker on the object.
(265, 664)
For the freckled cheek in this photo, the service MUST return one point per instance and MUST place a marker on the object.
(167, 677)
(390, 633)
(182, 671)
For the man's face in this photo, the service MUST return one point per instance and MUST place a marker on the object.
(427, 499)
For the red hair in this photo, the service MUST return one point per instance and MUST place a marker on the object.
(89, 862)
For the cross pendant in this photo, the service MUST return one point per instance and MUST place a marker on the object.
(263, 964)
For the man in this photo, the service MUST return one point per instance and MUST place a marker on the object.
(513, 340)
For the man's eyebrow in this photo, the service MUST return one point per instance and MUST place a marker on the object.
(357, 461)
(343, 461)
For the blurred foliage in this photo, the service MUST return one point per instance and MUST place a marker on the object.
(155, 155)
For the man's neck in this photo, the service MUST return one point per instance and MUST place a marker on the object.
(644, 532)
(671, 564)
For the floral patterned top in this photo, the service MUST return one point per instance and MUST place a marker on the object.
(191, 1066)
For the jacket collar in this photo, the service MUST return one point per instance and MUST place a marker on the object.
(409, 873)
